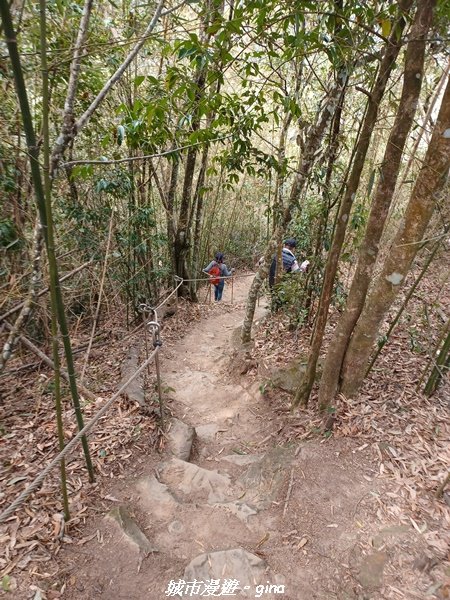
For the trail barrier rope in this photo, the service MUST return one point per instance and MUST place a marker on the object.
(157, 343)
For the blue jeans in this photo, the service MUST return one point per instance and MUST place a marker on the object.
(218, 290)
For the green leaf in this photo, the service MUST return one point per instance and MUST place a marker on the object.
(138, 80)
(82, 171)
(386, 27)
(6, 580)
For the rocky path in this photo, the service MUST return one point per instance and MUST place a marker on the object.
(227, 512)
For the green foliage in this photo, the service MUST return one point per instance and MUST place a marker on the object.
(358, 218)
(9, 238)
(289, 295)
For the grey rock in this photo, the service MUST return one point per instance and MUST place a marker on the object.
(156, 497)
(370, 572)
(263, 479)
(135, 389)
(207, 432)
(242, 459)
(241, 510)
(393, 532)
(131, 529)
(191, 479)
(237, 564)
(289, 377)
(176, 527)
(181, 437)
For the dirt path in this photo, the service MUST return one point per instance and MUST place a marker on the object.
(236, 515)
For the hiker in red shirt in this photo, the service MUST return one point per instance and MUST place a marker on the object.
(217, 270)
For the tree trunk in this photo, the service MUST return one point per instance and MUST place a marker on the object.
(170, 210)
(413, 74)
(387, 64)
(315, 272)
(198, 205)
(183, 234)
(305, 164)
(441, 365)
(431, 182)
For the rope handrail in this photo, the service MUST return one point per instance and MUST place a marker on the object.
(171, 293)
(73, 442)
(8, 512)
(221, 277)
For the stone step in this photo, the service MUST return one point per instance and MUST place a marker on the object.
(194, 481)
(264, 478)
(180, 439)
(121, 515)
(156, 498)
(235, 573)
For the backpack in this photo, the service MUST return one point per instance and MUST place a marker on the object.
(214, 275)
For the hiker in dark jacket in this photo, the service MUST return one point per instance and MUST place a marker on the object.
(290, 264)
(217, 270)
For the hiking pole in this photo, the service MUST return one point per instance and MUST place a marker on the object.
(232, 288)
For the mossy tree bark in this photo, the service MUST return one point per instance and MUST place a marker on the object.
(391, 52)
(412, 79)
(432, 181)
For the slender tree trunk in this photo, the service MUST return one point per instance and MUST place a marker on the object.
(387, 64)
(183, 235)
(45, 214)
(430, 184)
(425, 124)
(280, 179)
(305, 164)
(198, 206)
(170, 209)
(442, 362)
(27, 305)
(182, 238)
(413, 75)
(384, 341)
(314, 273)
(281, 173)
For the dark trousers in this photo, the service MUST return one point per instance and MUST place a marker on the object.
(218, 290)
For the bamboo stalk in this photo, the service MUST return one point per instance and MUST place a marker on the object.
(53, 301)
(99, 301)
(44, 212)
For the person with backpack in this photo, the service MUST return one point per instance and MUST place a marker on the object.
(217, 270)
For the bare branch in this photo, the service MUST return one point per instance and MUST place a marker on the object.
(67, 128)
(48, 361)
(14, 309)
(81, 122)
(147, 156)
(27, 305)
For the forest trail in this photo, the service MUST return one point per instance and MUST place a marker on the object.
(236, 508)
